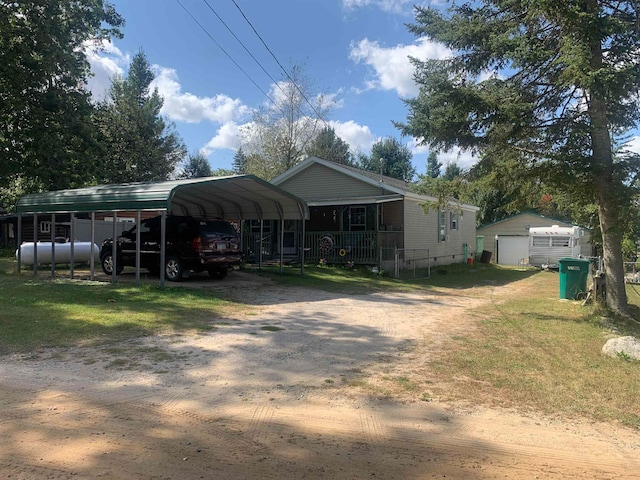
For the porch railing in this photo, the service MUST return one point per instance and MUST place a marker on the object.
(333, 247)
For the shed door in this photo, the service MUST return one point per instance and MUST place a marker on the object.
(512, 249)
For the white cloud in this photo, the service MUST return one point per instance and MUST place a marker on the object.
(359, 137)
(395, 6)
(190, 108)
(227, 137)
(464, 159)
(106, 61)
(633, 145)
(391, 66)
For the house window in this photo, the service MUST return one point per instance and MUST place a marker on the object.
(45, 227)
(453, 221)
(255, 226)
(357, 218)
(442, 226)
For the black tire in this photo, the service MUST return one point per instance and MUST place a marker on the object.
(107, 265)
(173, 269)
(218, 273)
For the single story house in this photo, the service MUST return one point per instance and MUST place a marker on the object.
(508, 239)
(365, 218)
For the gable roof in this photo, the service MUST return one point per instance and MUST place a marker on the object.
(388, 184)
(241, 196)
(531, 213)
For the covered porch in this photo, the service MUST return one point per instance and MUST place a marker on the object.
(337, 232)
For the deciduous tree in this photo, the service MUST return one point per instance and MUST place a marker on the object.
(280, 133)
(46, 135)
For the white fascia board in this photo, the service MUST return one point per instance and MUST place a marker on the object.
(355, 201)
(427, 198)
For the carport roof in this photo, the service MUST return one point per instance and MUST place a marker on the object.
(245, 197)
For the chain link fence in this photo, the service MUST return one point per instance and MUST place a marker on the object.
(406, 262)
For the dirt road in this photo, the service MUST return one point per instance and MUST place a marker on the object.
(276, 392)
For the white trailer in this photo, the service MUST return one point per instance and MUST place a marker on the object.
(548, 244)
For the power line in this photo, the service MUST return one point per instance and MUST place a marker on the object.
(243, 45)
(280, 65)
(224, 51)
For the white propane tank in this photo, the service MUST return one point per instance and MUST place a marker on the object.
(81, 252)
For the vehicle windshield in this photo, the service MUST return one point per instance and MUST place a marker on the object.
(217, 226)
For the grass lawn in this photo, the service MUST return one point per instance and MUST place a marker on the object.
(528, 349)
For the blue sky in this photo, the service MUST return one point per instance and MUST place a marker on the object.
(356, 51)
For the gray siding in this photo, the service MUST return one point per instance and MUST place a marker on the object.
(318, 182)
(421, 232)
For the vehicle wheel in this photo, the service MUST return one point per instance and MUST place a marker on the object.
(173, 269)
(218, 273)
(107, 265)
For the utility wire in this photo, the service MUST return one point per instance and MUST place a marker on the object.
(224, 51)
(280, 65)
(243, 45)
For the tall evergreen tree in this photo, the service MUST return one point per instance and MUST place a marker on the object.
(452, 171)
(46, 135)
(197, 166)
(137, 144)
(546, 84)
(239, 162)
(433, 165)
(391, 158)
(328, 146)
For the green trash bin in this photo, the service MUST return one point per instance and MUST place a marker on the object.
(573, 277)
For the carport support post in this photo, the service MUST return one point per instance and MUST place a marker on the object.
(281, 243)
(114, 248)
(53, 245)
(73, 244)
(260, 245)
(35, 244)
(92, 261)
(19, 243)
(137, 248)
(304, 236)
(163, 245)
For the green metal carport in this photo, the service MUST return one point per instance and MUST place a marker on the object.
(241, 197)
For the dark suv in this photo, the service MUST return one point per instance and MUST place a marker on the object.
(191, 244)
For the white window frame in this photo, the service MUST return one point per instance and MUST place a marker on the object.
(45, 227)
(454, 221)
(442, 226)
